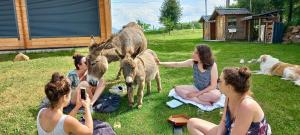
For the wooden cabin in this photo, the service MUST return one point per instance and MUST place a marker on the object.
(228, 24)
(265, 27)
(208, 26)
(29, 24)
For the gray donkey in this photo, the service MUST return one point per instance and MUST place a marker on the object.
(140, 69)
(128, 40)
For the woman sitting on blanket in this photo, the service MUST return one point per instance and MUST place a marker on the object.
(205, 75)
(52, 120)
(243, 115)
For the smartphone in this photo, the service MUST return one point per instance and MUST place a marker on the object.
(82, 93)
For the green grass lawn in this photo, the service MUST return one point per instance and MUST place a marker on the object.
(22, 83)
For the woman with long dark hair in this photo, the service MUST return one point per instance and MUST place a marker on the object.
(205, 75)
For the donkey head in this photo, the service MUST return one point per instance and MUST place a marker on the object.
(129, 66)
(97, 63)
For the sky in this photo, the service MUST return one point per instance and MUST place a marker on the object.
(124, 11)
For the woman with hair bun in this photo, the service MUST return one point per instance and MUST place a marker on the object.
(52, 121)
(243, 115)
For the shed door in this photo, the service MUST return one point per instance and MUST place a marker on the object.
(213, 31)
(63, 18)
(8, 25)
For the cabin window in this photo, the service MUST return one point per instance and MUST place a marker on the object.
(231, 22)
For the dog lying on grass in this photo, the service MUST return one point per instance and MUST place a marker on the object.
(273, 66)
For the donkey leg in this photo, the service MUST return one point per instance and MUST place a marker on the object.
(157, 78)
(130, 96)
(140, 94)
(119, 74)
(148, 87)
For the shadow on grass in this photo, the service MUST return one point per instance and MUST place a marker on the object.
(34, 111)
(36, 55)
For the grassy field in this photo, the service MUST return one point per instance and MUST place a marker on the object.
(22, 83)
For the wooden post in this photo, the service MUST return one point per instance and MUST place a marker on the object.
(105, 19)
(27, 41)
(249, 30)
(259, 29)
(203, 27)
(21, 13)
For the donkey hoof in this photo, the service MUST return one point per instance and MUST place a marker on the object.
(139, 106)
(131, 105)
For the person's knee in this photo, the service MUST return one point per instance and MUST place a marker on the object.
(177, 89)
(83, 84)
(216, 95)
(191, 123)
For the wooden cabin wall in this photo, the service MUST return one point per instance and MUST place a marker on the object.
(206, 30)
(241, 28)
(24, 42)
(220, 28)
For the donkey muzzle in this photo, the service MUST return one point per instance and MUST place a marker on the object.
(129, 79)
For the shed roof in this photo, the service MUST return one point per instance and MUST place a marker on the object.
(229, 11)
(263, 15)
(204, 18)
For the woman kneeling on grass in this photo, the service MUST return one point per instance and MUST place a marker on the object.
(205, 77)
(52, 120)
(78, 78)
(243, 115)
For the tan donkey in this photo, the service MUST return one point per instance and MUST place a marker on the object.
(139, 69)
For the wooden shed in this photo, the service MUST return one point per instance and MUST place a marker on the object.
(228, 23)
(265, 27)
(29, 24)
(209, 28)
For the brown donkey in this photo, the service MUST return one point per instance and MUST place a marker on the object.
(128, 40)
(140, 69)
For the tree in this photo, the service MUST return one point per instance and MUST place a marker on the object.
(170, 13)
(168, 24)
(290, 13)
(144, 25)
(258, 6)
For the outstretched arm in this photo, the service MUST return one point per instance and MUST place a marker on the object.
(186, 63)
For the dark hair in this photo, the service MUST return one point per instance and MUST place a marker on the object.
(239, 78)
(205, 56)
(56, 88)
(77, 60)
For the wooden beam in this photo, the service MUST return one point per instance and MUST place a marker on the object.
(259, 29)
(24, 22)
(105, 19)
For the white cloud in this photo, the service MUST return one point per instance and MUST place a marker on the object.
(124, 11)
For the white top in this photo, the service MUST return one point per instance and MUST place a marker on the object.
(58, 129)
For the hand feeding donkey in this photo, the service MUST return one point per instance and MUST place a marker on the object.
(129, 39)
(140, 69)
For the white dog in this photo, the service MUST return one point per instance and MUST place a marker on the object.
(272, 66)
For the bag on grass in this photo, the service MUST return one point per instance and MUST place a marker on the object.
(107, 103)
(101, 128)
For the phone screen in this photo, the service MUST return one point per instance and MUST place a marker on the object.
(82, 93)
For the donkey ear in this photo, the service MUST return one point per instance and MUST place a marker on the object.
(93, 41)
(119, 54)
(136, 52)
